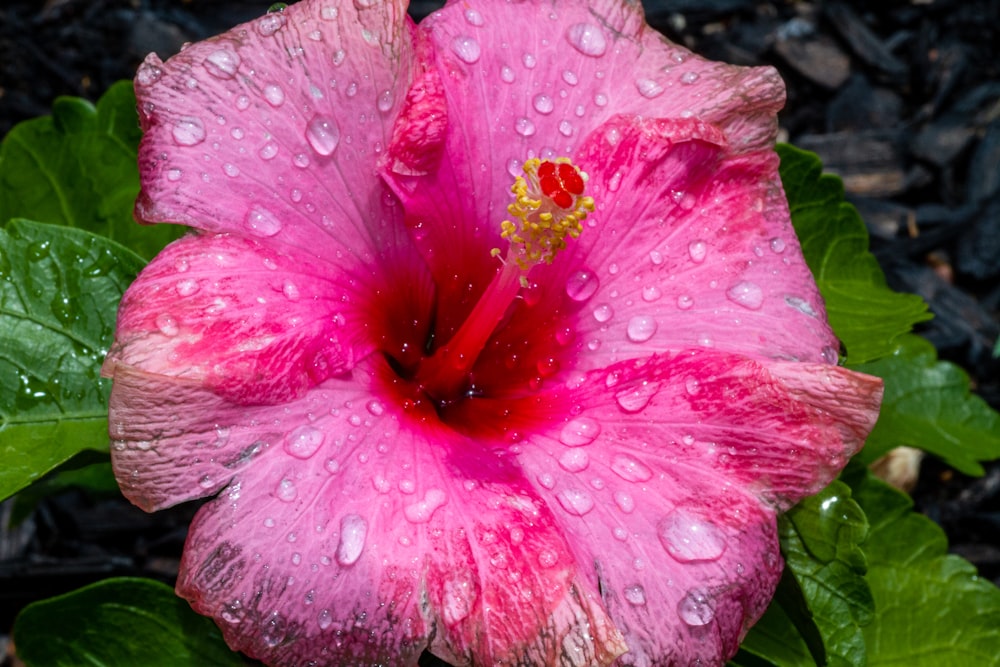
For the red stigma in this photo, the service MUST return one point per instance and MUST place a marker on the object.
(560, 182)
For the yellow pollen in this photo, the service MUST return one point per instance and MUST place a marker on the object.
(548, 206)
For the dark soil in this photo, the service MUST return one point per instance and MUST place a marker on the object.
(901, 98)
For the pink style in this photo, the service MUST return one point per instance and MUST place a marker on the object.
(492, 338)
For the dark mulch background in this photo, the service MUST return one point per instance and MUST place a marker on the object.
(900, 97)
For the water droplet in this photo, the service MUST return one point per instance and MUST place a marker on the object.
(222, 63)
(695, 609)
(167, 324)
(507, 76)
(385, 100)
(684, 302)
(474, 17)
(689, 539)
(651, 293)
(570, 77)
(375, 407)
(188, 131)
(329, 13)
(588, 39)
(524, 127)
(601, 100)
(148, 74)
(547, 558)
(274, 95)
(323, 134)
(242, 103)
(581, 285)
(174, 175)
(268, 150)
(777, 245)
(830, 355)
(579, 432)
(637, 397)
(649, 88)
(467, 49)
(529, 60)
(231, 170)
(575, 501)
(262, 222)
(689, 77)
(574, 460)
(421, 511)
(697, 250)
(625, 502)
(747, 294)
(286, 490)
(640, 328)
(615, 182)
(566, 128)
(543, 104)
(630, 469)
(800, 305)
(303, 442)
(353, 531)
(635, 595)
(603, 313)
(301, 160)
(270, 24)
(186, 287)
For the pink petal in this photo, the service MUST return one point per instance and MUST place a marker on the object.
(354, 538)
(273, 129)
(668, 479)
(253, 324)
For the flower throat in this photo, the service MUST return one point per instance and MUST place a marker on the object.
(549, 206)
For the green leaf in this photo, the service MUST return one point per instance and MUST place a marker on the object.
(119, 622)
(98, 479)
(78, 167)
(820, 539)
(864, 312)
(932, 609)
(928, 405)
(59, 290)
(777, 639)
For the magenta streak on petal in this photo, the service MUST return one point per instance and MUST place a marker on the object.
(601, 487)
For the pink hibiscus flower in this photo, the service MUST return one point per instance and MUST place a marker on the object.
(550, 428)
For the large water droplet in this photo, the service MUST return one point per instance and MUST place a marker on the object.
(286, 490)
(689, 77)
(566, 128)
(579, 432)
(603, 313)
(274, 95)
(689, 539)
(188, 131)
(262, 222)
(636, 397)
(635, 595)
(777, 245)
(697, 250)
(574, 460)
(649, 88)
(474, 17)
(166, 324)
(270, 24)
(543, 104)
(640, 328)
(651, 293)
(323, 134)
(325, 619)
(421, 511)
(467, 49)
(695, 608)
(630, 469)
(303, 442)
(524, 127)
(268, 150)
(747, 294)
(222, 63)
(575, 501)
(353, 531)
(588, 39)
(625, 502)
(581, 285)
(507, 75)
(148, 74)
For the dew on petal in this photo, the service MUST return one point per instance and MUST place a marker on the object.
(324, 619)
(524, 127)
(830, 355)
(186, 287)
(640, 328)
(651, 293)
(222, 63)
(262, 222)
(575, 501)
(747, 294)
(777, 245)
(543, 104)
(630, 469)
(286, 490)
(579, 432)
(689, 77)
(636, 398)
(588, 39)
(467, 49)
(422, 510)
(635, 595)
(188, 131)
(174, 175)
(566, 128)
(148, 74)
(529, 60)
(547, 558)
(507, 76)
(697, 250)
(695, 608)
(242, 103)
(304, 441)
(270, 24)
(268, 150)
(323, 134)
(574, 460)
(167, 324)
(274, 95)
(385, 100)
(649, 88)
(570, 77)
(603, 313)
(690, 539)
(353, 531)
(329, 13)
(625, 502)
(581, 285)
(801, 305)
(684, 302)
(474, 17)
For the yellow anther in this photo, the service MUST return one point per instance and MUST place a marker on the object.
(549, 205)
